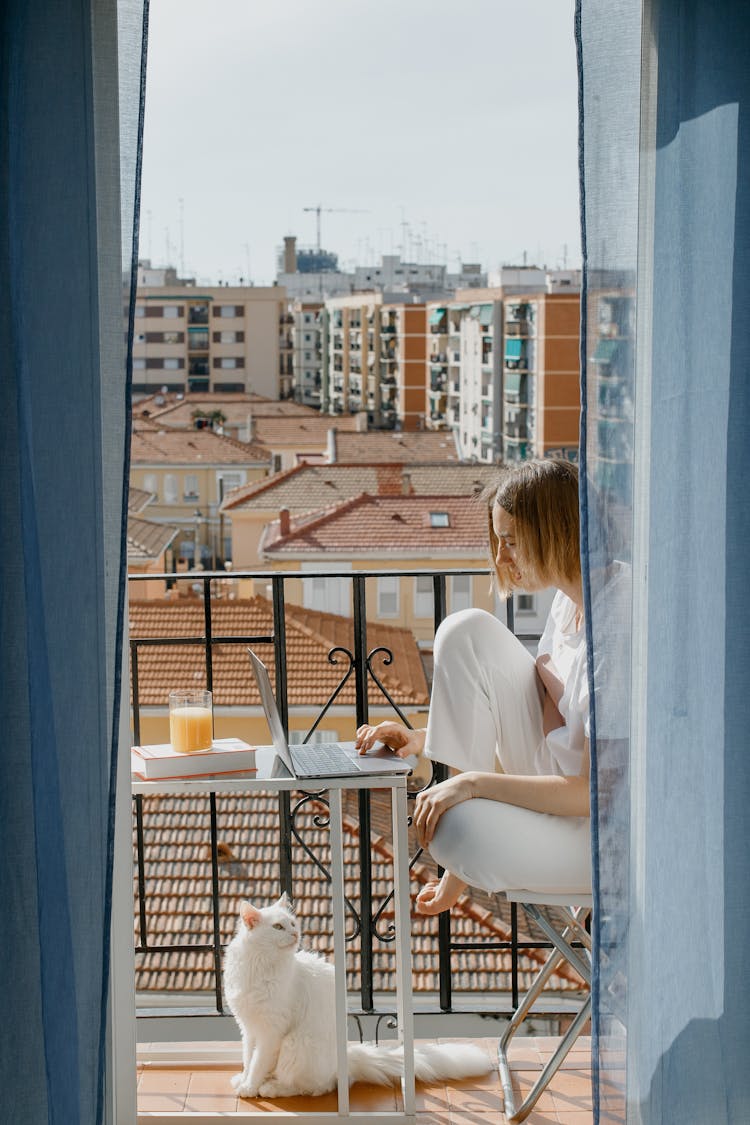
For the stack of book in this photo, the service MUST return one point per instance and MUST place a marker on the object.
(161, 762)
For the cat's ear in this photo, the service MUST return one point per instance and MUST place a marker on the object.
(249, 914)
(285, 903)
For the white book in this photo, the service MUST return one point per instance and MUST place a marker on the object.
(227, 755)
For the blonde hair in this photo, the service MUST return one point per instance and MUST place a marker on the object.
(542, 498)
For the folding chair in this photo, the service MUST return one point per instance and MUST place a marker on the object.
(575, 909)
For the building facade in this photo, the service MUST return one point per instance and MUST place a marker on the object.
(210, 338)
(377, 348)
(503, 367)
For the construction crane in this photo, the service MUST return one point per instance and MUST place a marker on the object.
(330, 210)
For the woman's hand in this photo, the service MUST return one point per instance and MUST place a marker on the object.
(400, 739)
(432, 803)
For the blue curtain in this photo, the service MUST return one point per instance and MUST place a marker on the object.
(63, 403)
(665, 179)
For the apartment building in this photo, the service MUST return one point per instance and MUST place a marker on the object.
(611, 335)
(377, 347)
(309, 335)
(187, 474)
(210, 338)
(503, 367)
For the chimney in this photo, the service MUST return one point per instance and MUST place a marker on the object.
(360, 424)
(250, 427)
(406, 489)
(331, 446)
(284, 521)
(290, 254)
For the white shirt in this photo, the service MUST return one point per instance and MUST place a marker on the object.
(562, 750)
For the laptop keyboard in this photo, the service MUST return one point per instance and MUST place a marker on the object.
(323, 759)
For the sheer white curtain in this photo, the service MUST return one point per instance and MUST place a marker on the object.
(665, 96)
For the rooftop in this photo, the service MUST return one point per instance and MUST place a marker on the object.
(177, 858)
(308, 486)
(310, 635)
(196, 447)
(428, 526)
(147, 539)
(399, 445)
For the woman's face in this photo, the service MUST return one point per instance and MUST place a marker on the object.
(503, 524)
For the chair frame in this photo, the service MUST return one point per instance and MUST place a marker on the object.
(576, 910)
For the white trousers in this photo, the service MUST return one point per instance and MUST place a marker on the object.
(485, 714)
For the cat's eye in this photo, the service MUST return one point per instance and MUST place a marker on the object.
(278, 926)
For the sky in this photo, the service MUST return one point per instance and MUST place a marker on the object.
(437, 130)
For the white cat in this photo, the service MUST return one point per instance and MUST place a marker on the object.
(283, 1000)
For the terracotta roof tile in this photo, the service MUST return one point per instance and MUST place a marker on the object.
(138, 499)
(179, 907)
(378, 445)
(309, 635)
(147, 539)
(383, 523)
(178, 411)
(309, 486)
(179, 447)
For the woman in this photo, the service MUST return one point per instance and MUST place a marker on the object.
(517, 815)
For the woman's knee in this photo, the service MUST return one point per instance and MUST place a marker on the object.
(468, 627)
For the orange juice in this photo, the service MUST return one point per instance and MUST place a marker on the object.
(190, 728)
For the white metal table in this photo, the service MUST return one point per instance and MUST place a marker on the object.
(263, 780)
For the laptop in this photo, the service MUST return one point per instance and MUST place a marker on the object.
(322, 759)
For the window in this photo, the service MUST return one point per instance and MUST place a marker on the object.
(524, 603)
(227, 337)
(423, 601)
(439, 519)
(460, 592)
(228, 363)
(230, 310)
(191, 486)
(151, 484)
(330, 595)
(228, 482)
(388, 596)
(140, 310)
(172, 337)
(138, 364)
(172, 364)
(171, 489)
(171, 311)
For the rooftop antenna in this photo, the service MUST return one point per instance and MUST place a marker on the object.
(565, 256)
(182, 236)
(330, 210)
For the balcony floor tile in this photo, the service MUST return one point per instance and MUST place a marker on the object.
(206, 1090)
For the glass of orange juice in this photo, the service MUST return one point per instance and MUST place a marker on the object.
(190, 720)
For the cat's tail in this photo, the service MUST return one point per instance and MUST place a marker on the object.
(383, 1066)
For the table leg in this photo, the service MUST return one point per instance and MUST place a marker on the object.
(339, 946)
(404, 1004)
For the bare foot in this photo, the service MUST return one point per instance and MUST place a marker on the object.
(436, 897)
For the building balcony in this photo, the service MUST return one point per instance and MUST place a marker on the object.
(467, 975)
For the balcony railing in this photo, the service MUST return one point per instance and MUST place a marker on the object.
(369, 915)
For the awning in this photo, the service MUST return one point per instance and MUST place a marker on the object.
(475, 311)
(485, 315)
(513, 348)
(512, 382)
(436, 316)
(606, 351)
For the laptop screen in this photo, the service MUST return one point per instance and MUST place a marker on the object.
(272, 712)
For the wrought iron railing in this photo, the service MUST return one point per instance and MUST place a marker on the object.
(360, 666)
